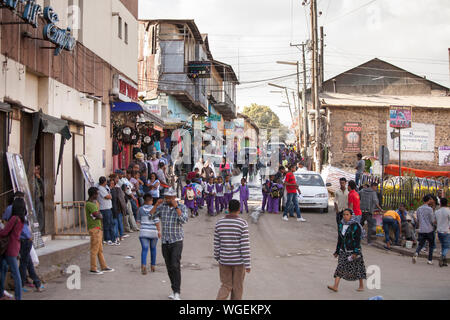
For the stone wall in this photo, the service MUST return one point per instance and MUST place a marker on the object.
(373, 121)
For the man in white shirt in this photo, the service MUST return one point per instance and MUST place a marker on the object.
(104, 199)
(341, 199)
(443, 225)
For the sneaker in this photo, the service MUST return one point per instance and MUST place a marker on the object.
(430, 262)
(104, 242)
(285, 218)
(117, 243)
(110, 243)
(441, 262)
(301, 220)
(126, 236)
(95, 272)
(172, 296)
(414, 258)
(176, 296)
(108, 270)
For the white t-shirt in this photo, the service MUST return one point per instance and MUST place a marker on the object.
(443, 220)
(105, 204)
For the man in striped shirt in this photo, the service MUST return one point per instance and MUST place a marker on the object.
(232, 251)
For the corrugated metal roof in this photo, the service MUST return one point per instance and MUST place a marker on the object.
(340, 99)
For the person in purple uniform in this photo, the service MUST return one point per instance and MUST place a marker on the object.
(189, 200)
(276, 190)
(228, 191)
(220, 196)
(210, 194)
(266, 192)
(244, 194)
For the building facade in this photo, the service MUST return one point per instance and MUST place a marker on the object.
(60, 61)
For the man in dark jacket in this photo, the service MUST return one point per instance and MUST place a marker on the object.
(369, 201)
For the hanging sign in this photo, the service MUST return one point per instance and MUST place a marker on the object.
(352, 137)
(400, 117)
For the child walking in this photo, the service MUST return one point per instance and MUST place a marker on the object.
(210, 194)
(220, 196)
(149, 234)
(189, 195)
(276, 190)
(228, 191)
(266, 192)
(244, 194)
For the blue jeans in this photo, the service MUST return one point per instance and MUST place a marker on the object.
(12, 262)
(444, 239)
(26, 264)
(292, 197)
(108, 225)
(145, 244)
(119, 232)
(134, 208)
(357, 179)
(391, 223)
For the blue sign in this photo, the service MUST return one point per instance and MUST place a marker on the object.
(62, 38)
(12, 4)
(31, 13)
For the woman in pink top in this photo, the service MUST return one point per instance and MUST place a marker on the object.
(12, 230)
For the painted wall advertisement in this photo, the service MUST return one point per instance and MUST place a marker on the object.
(444, 156)
(352, 136)
(400, 117)
(414, 140)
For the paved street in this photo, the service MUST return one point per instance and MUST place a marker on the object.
(290, 260)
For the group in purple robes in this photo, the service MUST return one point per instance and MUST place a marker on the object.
(220, 196)
(266, 192)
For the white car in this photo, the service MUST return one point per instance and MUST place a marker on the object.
(314, 191)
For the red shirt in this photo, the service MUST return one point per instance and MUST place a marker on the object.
(13, 229)
(290, 178)
(353, 197)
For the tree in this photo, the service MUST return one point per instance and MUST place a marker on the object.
(265, 118)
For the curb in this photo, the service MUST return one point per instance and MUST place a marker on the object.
(403, 251)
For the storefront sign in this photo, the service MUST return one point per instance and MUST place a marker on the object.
(444, 156)
(214, 117)
(400, 117)
(31, 11)
(352, 137)
(154, 109)
(126, 90)
(199, 69)
(414, 140)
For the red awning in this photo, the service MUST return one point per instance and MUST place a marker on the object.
(393, 170)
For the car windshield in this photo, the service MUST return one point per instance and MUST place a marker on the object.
(313, 180)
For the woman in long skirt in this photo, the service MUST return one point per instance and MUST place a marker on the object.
(348, 251)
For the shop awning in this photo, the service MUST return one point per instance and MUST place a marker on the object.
(126, 107)
(5, 107)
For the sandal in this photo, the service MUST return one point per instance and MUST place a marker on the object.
(332, 288)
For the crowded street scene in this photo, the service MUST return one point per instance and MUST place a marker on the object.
(146, 154)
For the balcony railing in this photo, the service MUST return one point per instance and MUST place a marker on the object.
(223, 99)
(70, 218)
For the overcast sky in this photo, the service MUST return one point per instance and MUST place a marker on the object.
(251, 35)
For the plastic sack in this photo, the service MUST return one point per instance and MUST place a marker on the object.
(34, 257)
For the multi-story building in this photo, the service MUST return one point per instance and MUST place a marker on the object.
(62, 64)
(178, 75)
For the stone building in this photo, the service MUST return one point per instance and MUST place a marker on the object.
(355, 116)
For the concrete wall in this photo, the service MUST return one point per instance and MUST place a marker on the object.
(374, 123)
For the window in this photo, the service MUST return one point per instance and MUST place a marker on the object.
(103, 114)
(120, 28)
(126, 33)
(95, 112)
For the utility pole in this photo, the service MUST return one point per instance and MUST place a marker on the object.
(321, 59)
(315, 87)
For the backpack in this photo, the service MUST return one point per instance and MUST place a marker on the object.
(190, 193)
(275, 192)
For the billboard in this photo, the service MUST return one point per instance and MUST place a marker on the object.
(400, 117)
(444, 156)
(352, 137)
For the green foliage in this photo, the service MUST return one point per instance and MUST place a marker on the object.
(265, 118)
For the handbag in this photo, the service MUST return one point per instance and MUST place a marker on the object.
(4, 241)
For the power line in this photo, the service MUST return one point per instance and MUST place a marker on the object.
(352, 11)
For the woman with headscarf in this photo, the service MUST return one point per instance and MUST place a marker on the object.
(348, 251)
(207, 171)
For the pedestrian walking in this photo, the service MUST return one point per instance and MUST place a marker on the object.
(172, 216)
(149, 234)
(360, 165)
(341, 199)
(244, 194)
(276, 190)
(267, 185)
(210, 193)
(354, 200)
(232, 251)
(94, 224)
(443, 229)
(427, 221)
(104, 199)
(292, 188)
(189, 196)
(10, 250)
(154, 187)
(348, 251)
(368, 204)
(391, 219)
(228, 190)
(220, 195)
